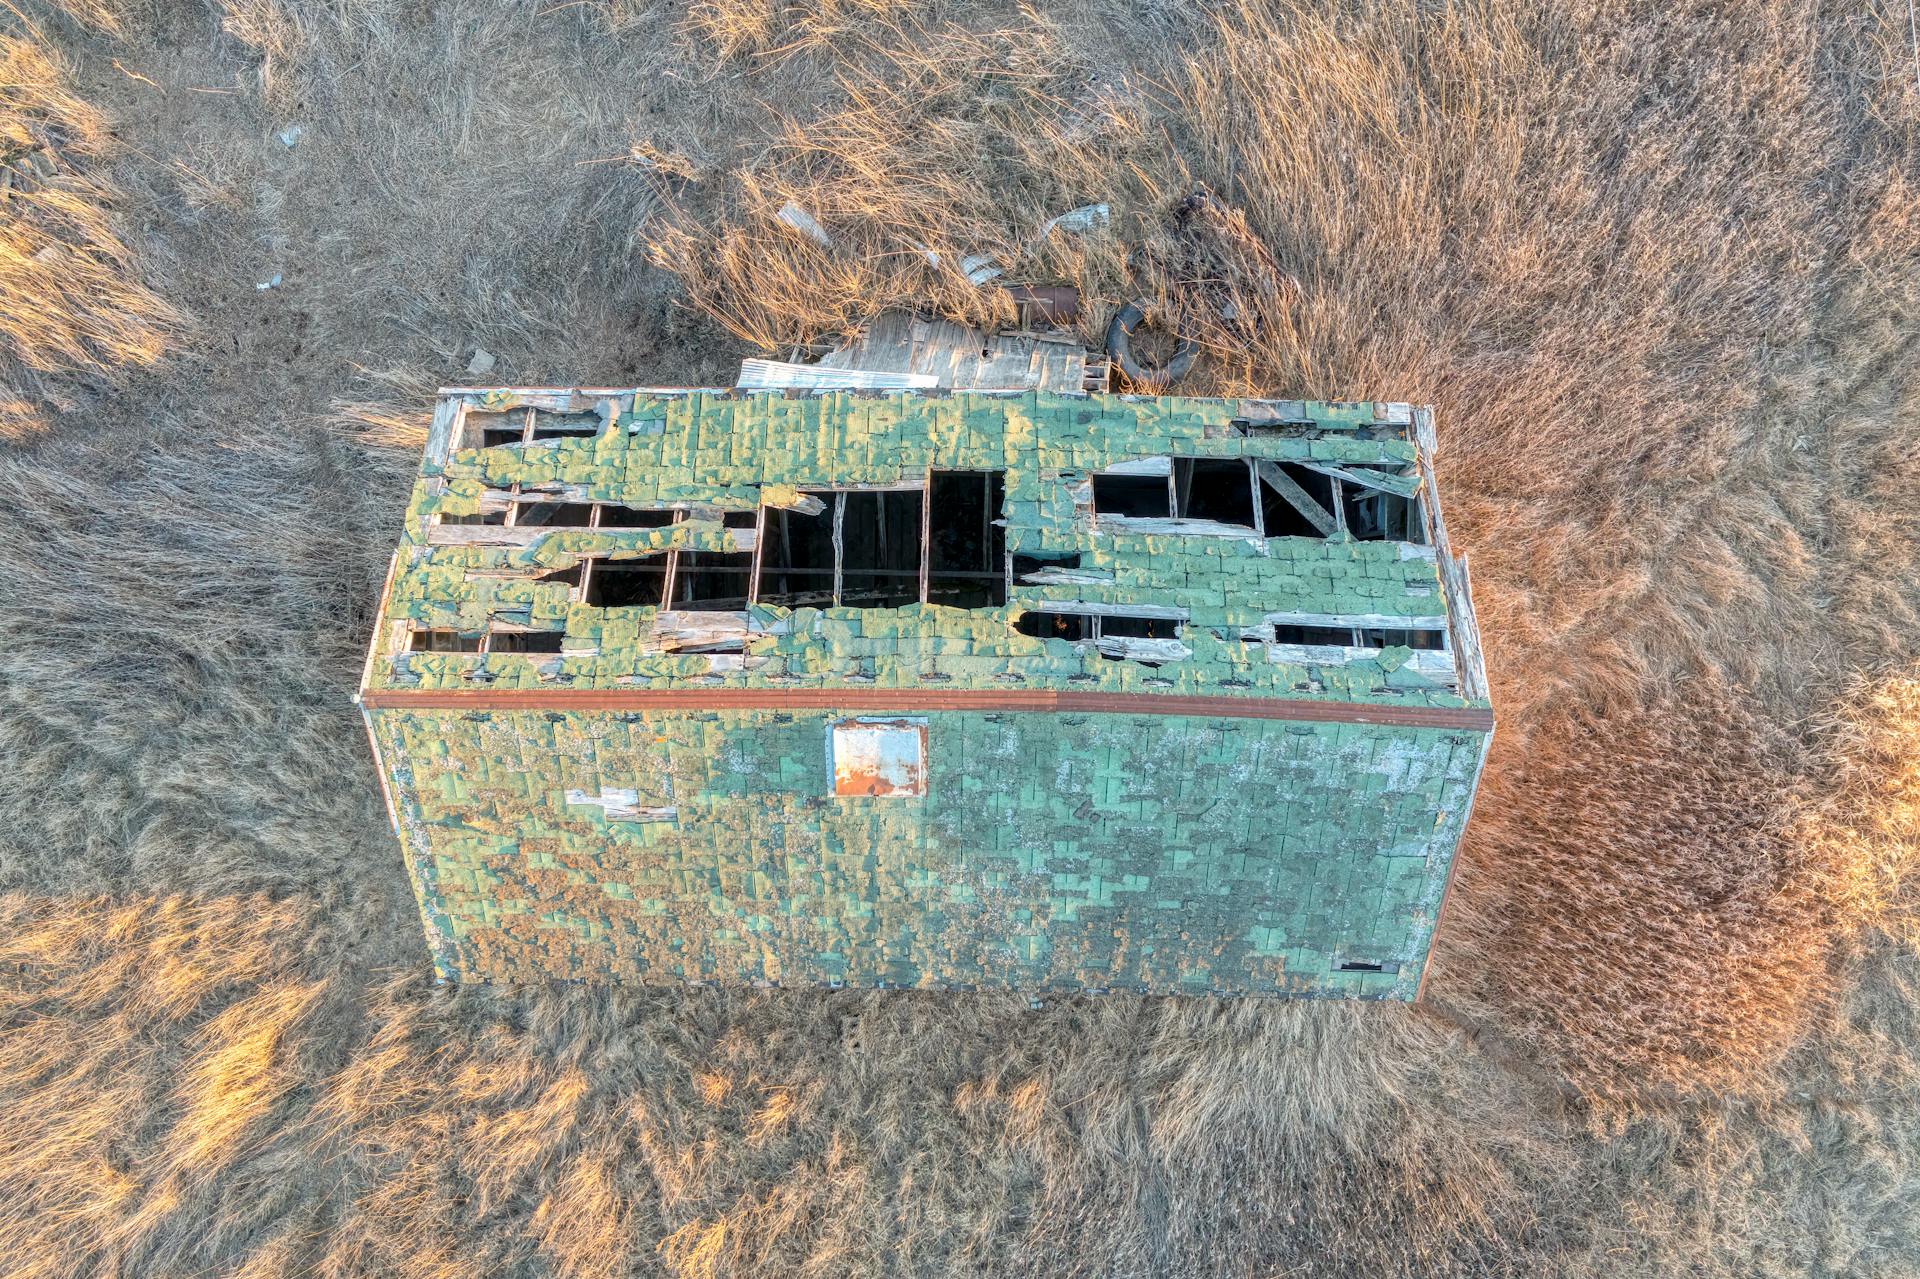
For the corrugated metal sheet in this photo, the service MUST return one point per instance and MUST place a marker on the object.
(777, 375)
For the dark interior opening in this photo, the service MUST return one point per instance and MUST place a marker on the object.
(1135, 496)
(1218, 489)
(569, 576)
(1060, 626)
(1026, 565)
(1403, 639)
(967, 551)
(796, 556)
(554, 514)
(1133, 627)
(713, 581)
(739, 519)
(491, 430)
(1281, 517)
(525, 642)
(627, 583)
(612, 516)
(1357, 966)
(559, 426)
(1373, 516)
(880, 549)
(435, 641)
(478, 517)
(1340, 635)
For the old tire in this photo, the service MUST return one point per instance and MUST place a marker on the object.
(1120, 349)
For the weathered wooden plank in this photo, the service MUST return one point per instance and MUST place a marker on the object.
(1370, 621)
(1172, 527)
(676, 631)
(1367, 477)
(1095, 609)
(1295, 496)
(1133, 648)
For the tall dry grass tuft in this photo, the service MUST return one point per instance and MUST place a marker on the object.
(145, 1068)
(776, 28)
(1656, 899)
(1635, 898)
(71, 298)
(1866, 818)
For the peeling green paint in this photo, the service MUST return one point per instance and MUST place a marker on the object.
(1051, 852)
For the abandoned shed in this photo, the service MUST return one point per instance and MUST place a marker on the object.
(1031, 690)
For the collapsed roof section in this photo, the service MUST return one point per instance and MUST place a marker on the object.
(632, 539)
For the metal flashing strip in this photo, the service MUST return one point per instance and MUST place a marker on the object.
(1471, 718)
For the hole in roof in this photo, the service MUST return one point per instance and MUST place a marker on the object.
(442, 641)
(967, 546)
(1217, 489)
(548, 425)
(713, 581)
(796, 556)
(613, 515)
(543, 514)
(1132, 496)
(1040, 561)
(880, 549)
(627, 583)
(1280, 501)
(525, 642)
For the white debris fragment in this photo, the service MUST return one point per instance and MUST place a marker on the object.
(620, 804)
(1088, 217)
(482, 362)
(802, 221)
(274, 283)
(979, 268)
(290, 135)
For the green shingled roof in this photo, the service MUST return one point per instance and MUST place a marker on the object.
(713, 452)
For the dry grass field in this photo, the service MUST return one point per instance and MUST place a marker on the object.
(1658, 267)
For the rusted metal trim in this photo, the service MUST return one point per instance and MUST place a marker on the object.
(1472, 718)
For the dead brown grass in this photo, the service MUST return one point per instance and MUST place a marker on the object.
(71, 297)
(939, 142)
(1657, 271)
